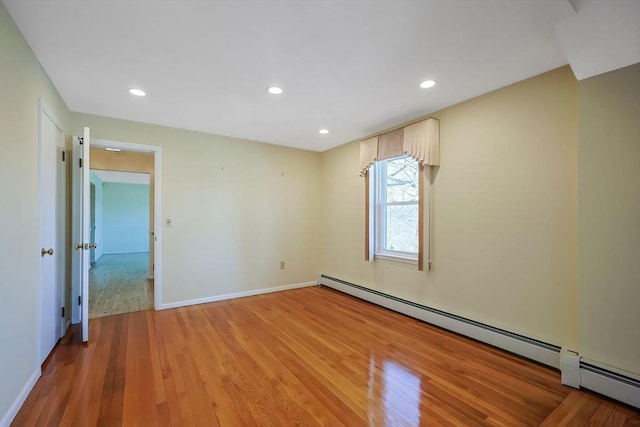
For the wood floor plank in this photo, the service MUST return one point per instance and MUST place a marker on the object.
(307, 357)
(612, 415)
(158, 389)
(632, 421)
(603, 416)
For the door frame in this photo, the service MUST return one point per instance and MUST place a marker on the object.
(61, 217)
(157, 205)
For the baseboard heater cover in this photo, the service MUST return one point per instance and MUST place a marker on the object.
(539, 351)
(611, 384)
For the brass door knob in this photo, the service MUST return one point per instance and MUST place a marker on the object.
(44, 252)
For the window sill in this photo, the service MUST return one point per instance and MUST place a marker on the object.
(397, 258)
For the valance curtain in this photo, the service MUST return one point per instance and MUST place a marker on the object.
(420, 141)
(391, 144)
(368, 154)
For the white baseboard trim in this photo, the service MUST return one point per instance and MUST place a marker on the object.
(609, 383)
(545, 353)
(11, 413)
(223, 297)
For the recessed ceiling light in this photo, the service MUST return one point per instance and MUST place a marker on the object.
(427, 84)
(324, 131)
(112, 149)
(137, 92)
(274, 90)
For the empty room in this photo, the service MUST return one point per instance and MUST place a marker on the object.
(336, 213)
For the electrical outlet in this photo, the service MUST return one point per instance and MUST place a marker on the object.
(281, 265)
(167, 222)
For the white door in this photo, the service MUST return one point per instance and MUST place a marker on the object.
(51, 189)
(81, 244)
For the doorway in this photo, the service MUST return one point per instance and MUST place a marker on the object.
(120, 210)
(85, 147)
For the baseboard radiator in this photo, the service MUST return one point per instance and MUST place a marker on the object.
(611, 384)
(545, 353)
(576, 372)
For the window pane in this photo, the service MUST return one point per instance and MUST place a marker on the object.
(402, 228)
(402, 179)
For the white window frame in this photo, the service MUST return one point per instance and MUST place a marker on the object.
(379, 205)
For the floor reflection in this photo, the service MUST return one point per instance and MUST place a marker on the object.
(394, 394)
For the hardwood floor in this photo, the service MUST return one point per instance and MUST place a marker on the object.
(119, 283)
(309, 356)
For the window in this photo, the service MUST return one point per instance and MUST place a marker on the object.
(396, 208)
(396, 167)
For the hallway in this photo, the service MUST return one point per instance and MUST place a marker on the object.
(119, 283)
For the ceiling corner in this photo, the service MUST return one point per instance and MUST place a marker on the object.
(596, 36)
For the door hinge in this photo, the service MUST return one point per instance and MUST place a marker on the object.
(81, 140)
(63, 156)
(80, 163)
(62, 311)
(79, 300)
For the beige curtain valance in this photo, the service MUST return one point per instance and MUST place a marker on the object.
(391, 144)
(368, 154)
(420, 141)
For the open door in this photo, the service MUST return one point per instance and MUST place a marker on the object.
(81, 232)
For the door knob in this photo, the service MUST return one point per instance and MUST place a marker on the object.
(44, 252)
(78, 246)
(93, 245)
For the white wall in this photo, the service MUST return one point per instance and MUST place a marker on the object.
(22, 81)
(99, 222)
(609, 219)
(126, 218)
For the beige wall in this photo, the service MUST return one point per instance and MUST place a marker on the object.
(238, 208)
(22, 81)
(503, 213)
(609, 219)
(123, 161)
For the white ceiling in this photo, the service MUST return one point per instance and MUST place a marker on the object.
(122, 177)
(351, 66)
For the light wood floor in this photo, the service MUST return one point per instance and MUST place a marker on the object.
(309, 356)
(119, 283)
